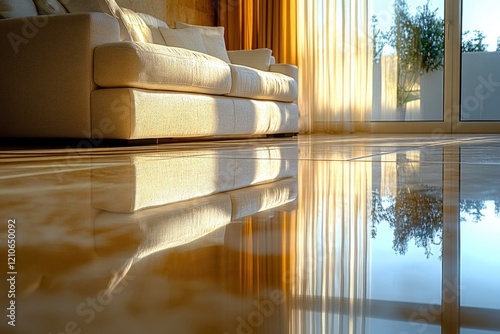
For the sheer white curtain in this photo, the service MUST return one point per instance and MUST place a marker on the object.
(335, 65)
(331, 264)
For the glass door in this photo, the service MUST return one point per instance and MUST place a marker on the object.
(409, 66)
(435, 66)
(480, 59)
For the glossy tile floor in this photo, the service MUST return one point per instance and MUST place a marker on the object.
(311, 234)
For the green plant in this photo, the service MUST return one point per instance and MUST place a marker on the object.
(431, 39)
(404, 38)
(419, 44)
(473, 43)
(418, 41)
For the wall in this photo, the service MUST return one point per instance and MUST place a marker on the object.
(200, 12)
(157, 8)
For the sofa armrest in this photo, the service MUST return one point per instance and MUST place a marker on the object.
(258, 58)
(287, 69)
(47, 73)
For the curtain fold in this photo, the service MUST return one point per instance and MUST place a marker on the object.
(335, 65)
(332, 263)
(253, 24)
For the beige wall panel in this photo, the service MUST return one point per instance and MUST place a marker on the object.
(200, 12)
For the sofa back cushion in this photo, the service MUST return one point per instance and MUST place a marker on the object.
(152, 21)
(213, 38)
(79, 6)
(50, 7)
(132, 26)
(157, 8)
(154, 24)
(135, 26)
(260, 59)
(17, 8)
(188, 38)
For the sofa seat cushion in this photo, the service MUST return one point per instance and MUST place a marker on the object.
(159, 67)
(256, 84)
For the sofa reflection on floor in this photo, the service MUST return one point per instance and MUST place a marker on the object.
(199, 222)
(137, 181)
(151, 202)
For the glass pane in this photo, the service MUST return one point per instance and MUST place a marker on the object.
(405, 258)
(408, 59)
(479, 236)
(480, 58)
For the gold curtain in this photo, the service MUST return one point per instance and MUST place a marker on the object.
(330, 42)
(335, 65)
(253, 24)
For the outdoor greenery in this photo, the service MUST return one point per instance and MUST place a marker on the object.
(472, 208)
(419, 44)
(473, 43)
(418, 41)
(415, 211)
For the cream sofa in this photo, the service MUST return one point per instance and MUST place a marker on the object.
(125, 75)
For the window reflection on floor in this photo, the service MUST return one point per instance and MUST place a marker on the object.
(480, 232)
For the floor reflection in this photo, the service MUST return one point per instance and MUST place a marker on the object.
(315, 234)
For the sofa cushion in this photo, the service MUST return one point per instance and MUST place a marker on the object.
(255, 84)
(258, 58)
(136, 27)
(17, 8)
(82, 6)
(154, 24)
(189, 38)
(152, 66)
(132, 26)
(213, 38)
(50, 7)
(152, 21)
